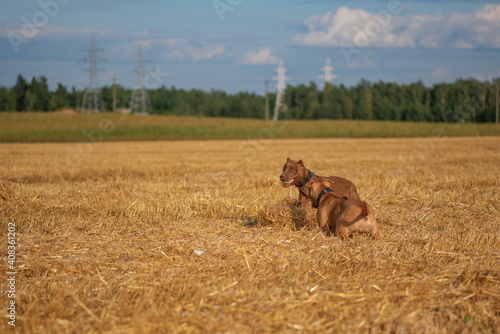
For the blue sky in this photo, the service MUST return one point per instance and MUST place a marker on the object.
(235, 45)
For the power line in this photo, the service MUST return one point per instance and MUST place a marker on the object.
(281, 85)
(114, 93)
(92, 99)
(266, 106)
(328, 69)
(140, 103)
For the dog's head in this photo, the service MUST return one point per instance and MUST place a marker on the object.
(294, 172)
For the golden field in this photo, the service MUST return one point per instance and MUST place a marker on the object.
(200, 237)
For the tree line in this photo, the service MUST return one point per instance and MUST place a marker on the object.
(465, 100)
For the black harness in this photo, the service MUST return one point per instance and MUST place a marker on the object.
(321, 194)
(308, 178)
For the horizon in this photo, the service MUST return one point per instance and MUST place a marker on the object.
(307, 84)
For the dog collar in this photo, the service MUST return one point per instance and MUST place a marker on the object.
(308, 178)
(323, 192)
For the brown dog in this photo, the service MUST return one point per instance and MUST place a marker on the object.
(342, 215)
(295, 173)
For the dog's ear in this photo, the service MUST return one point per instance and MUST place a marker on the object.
(287, 159)
(301, 163)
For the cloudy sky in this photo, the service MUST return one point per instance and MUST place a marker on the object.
(235, 45)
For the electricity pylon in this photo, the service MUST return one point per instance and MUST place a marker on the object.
(92, 99)
(266, 104)
(328, 75)
(140, 103)
(281, 85)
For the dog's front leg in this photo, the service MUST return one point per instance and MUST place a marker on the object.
(305, 202)
(322, 217)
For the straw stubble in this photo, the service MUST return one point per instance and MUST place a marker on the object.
(192, 237)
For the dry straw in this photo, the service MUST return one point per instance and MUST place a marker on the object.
(6, 190)
(190, 237)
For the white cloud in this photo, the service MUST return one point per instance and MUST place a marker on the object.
(205, 52)
(440, 73)
(489, 12)
(361, 62)
(359, 28)
(172, 49)
(122, 43)
(30, 31)
(182, 49)
(261, 57)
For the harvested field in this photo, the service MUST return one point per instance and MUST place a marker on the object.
(200, 236)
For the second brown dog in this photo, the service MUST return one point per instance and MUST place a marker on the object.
(342, 215)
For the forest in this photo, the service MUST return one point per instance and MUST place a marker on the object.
(465, 100)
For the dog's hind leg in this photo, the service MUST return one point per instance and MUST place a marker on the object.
(374, 231)
(369, 223)
(342, 231)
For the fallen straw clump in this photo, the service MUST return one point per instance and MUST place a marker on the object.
(286, 213)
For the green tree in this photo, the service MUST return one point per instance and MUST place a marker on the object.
(7, 99)
(59, 99)
(440, 100)
(20, 90)
(363, 98)
(347, 107)
(465, 100)
(415, 100)
(327, 101)
(312, 101)
(38, 96)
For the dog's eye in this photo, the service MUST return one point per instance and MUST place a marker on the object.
(293, 169)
